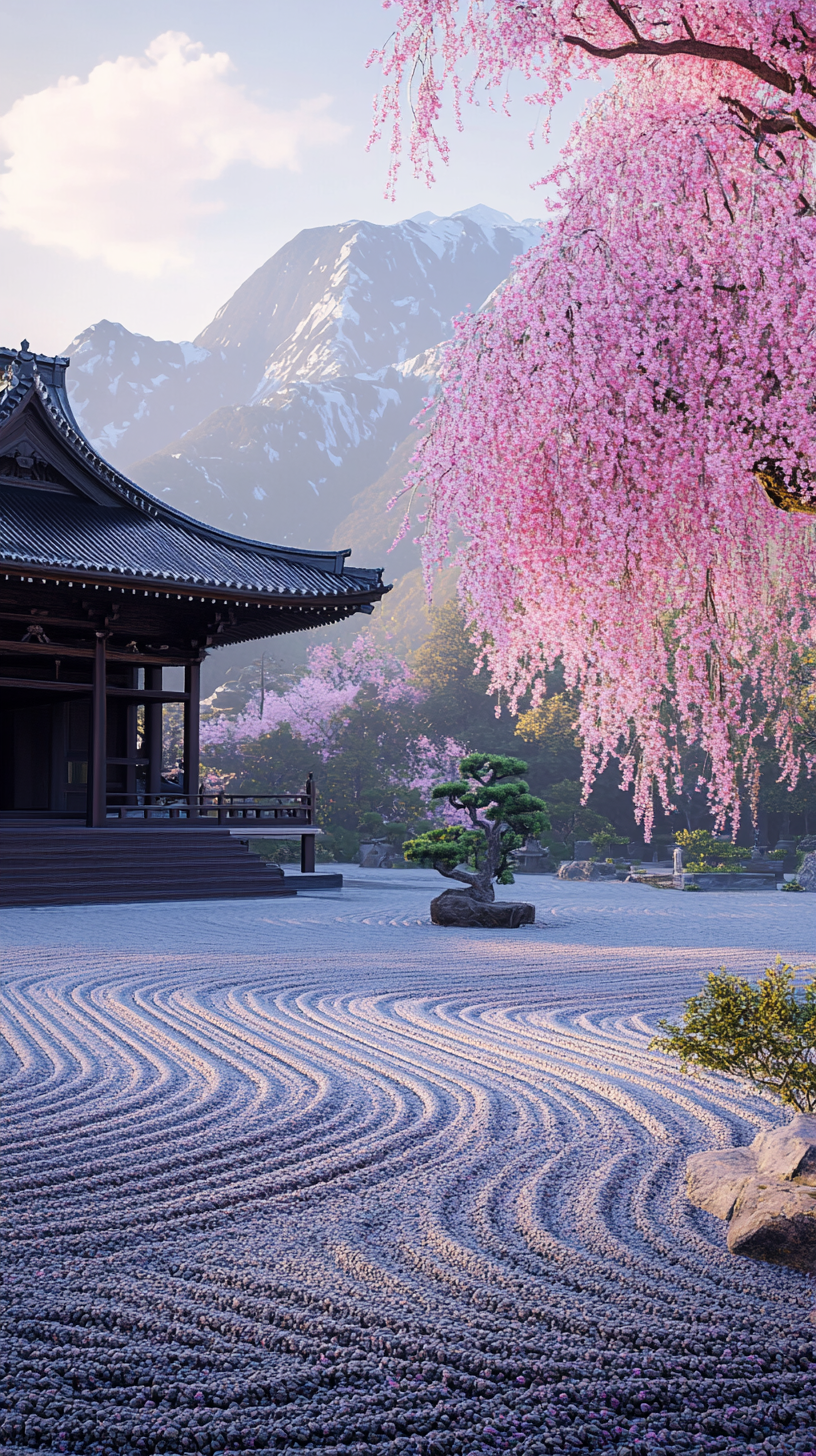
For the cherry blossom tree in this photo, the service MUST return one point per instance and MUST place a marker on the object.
(758, 57)
(316, 705)
(617, 431)
(361, 695)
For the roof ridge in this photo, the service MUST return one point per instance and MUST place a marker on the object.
(177, 548)
(126, 489)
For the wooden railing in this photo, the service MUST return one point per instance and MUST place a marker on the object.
(281, 810)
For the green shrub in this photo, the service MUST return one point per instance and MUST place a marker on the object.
(702, 866)
(340, 843)
(794, 885)
(701, 851)
(765, 1033)
(605, 840)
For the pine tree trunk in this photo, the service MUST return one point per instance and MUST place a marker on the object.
(483, 880)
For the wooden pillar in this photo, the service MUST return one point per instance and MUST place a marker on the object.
(307, 841)
(131, 734)
(98, 756)
(192, 687)
(153, 733)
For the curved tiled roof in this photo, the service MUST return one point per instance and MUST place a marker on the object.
(116, 529)
(38, 528)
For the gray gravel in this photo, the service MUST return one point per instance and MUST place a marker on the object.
(320, 1176)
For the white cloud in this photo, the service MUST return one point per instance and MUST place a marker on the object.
(109, 168)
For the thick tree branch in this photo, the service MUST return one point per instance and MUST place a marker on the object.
(701, 49)
(624, 16)
(463, 876)
(770, 125)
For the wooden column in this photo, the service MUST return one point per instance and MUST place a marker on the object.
(98, 755)
(131, 734)
(192, 687)
(153, 733)
(307, 841)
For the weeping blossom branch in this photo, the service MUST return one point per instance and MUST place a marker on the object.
(612, 433)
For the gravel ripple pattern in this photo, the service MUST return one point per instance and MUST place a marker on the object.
(319, 1176)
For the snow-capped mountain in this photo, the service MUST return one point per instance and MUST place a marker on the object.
(356, 298)
(287, 469)
(131, 394)
(291, 401)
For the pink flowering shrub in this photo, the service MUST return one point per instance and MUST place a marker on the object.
(355, 707)
(608, 429)
(432, 763)
(315, 707)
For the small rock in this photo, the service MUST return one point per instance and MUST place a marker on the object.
(715, 1179)
(807, 874)
(788, 1152)
(457, 907)
(775, 1221)
(586, 869)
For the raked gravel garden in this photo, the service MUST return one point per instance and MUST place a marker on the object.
(314, 1174)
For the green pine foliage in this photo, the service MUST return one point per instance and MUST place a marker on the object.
(765, 1033)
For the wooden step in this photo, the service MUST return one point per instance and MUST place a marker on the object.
(133, 896)
(74, 865)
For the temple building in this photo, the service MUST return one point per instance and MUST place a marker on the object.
(102, 587)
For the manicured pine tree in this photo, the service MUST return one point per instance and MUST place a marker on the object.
(501, 810)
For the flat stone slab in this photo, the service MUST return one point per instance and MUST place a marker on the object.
(723, 880)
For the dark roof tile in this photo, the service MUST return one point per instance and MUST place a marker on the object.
(135, 536)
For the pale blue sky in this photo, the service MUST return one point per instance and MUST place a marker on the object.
(149, 194)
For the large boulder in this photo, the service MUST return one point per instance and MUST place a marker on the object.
(714, 1180)
(586, 869)
(457, 907)
(788, 1152)
(768, 1191)
(807, 874)
(775, 1220)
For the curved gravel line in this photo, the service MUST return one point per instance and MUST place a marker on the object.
(430, 1203)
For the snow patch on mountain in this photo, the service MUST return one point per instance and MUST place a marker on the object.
(291, 401)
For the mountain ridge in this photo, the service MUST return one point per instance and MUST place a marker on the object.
(289, 405)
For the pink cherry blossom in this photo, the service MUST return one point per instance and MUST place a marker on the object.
(315, 705)
(602, 424)
(433, 763)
